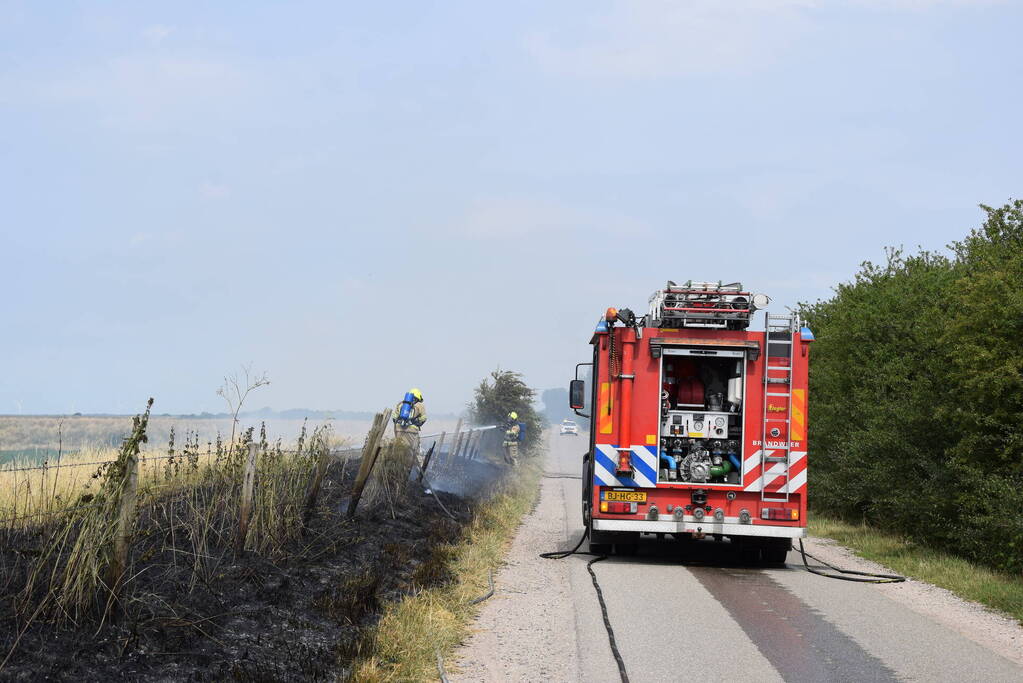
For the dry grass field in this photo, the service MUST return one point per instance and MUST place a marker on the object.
(51, 475)
(68, 453)
(25, 494)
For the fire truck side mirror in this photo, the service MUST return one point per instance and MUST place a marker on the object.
(576, 394)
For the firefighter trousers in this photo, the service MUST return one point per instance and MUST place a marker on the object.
(511, 453)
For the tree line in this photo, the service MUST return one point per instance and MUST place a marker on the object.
(916, 385)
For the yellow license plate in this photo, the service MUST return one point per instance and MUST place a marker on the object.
(626, 496)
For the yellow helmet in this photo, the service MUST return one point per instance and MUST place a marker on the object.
(415, 392)
(513, 415)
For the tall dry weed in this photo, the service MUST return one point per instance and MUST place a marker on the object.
(388, 482)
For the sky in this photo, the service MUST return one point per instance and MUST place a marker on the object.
(360, 197)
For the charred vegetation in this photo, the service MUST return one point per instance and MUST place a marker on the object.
(295, 604)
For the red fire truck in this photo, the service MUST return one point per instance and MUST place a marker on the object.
(698, 425)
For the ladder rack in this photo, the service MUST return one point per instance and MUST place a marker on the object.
(778, 332)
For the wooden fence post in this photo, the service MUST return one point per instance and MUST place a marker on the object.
(370, 453)
(313, 490)
(245, 510)
(439, 444)
(125, 524)
(426, 462)
(456, 440)
(476, 446)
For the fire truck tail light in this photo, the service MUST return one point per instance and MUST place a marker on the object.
(616, 507)
(782, 514)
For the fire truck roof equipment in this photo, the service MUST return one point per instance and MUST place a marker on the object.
(704, 304)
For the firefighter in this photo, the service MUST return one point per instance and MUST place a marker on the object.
(511, 439)
(409, 417)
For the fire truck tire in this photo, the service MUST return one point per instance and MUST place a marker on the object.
(602, 542)
(749, 555)
(775, 552)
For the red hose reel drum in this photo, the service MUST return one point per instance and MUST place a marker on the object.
(682, 383)
(690, 391)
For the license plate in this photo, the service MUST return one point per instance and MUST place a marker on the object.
(626, 496)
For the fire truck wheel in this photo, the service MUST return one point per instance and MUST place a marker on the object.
(749, 555)
(775, 556)
(775, 552)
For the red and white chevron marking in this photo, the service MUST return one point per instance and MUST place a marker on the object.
(772, 481)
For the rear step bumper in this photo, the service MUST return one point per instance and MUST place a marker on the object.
(707, 527)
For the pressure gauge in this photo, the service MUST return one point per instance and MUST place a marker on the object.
(698, 426)
(720, 422)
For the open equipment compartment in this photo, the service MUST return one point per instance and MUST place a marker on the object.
(702, 407)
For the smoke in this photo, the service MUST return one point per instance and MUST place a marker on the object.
(471, 473)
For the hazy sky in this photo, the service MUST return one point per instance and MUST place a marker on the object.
(359, 197)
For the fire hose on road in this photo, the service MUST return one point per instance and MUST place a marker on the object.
(842, 574)
(562, 554)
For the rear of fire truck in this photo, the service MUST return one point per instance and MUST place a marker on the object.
(699, 424)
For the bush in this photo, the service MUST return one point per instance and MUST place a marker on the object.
(502, 392)
(917, 395)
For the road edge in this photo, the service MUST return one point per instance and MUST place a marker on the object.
(981, 624)
(411, 633)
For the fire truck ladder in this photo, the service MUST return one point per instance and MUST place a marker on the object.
(779, 330)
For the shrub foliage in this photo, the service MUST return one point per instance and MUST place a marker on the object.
(502, 392)
(917, 394)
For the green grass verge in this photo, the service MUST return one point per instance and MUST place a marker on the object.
(1003, 592)
(402, 647)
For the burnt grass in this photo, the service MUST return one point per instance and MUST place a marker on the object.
(302, 614)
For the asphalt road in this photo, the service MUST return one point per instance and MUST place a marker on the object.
(697, 614)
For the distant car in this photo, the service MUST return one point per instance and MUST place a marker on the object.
(569, 427)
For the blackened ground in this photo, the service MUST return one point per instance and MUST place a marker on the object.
(301, 617)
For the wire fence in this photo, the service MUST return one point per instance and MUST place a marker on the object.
(469, 443)
(183, 455)
(7, 521)
(46, 502)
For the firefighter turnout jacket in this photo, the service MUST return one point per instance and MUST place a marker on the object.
(511, 435)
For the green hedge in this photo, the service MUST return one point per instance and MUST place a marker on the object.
(916, 395)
